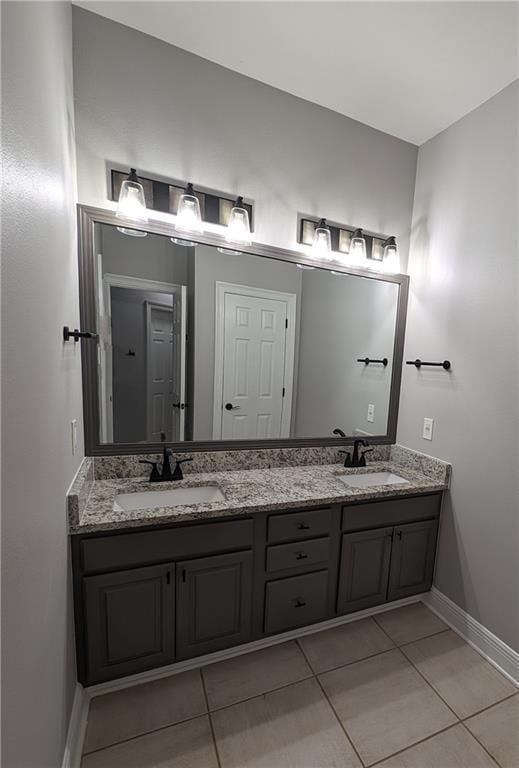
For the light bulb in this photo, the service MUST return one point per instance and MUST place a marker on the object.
(238, 228)
(322, 245)
(391, 261)
(131, 204)
(357, 248)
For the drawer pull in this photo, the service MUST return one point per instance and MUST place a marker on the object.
(299, 603)
(303, 527)
(301, 555)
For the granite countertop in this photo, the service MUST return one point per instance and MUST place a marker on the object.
(247, 492)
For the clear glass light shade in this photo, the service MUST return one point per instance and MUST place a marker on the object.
(189, 218)
(391, 261)
(131, 203)
(322, 245)
(238, 228)
(357, 254)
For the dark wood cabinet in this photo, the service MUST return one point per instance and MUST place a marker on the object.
(213, 603)
(147, 598)
(364, 569)
(412, 559)
(130, 620)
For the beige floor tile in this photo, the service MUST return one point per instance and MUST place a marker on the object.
(498, 730)
(253, 673)
(345, 644)
(293, 727)
(186, 745)
(385, 705)
(409, 623)
(133, 711)
(461, 676)
(454, 748)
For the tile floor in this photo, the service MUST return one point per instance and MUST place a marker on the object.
(398, 690)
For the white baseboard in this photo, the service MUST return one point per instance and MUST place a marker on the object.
(229, 653)
(76, 729)
(500, 655)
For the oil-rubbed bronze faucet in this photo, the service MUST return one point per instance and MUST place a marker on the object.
(356, 459)
(165, 475)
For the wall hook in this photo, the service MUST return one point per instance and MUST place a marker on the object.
(76, 334)
(446, 364)
(368, 360)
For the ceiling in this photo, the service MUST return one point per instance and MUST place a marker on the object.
(407, 68)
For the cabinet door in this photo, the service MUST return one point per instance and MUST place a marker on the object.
(364, 569)
(412, 559)
(129, 619)
(213, 603)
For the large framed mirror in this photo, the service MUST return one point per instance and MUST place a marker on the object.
(201, 347)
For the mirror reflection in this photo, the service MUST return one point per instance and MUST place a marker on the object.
(199, 344)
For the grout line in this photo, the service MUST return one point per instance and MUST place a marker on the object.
(263, 693)
(490, 706)
(211, 726)
(414, 744)
(145, 733)
(341, 726)
(481, 745)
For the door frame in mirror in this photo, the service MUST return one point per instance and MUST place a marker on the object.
(88, 217)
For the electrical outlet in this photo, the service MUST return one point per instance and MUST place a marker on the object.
(371, 412)
(427, 433)
(73, 436)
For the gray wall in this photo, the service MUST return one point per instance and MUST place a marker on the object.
(211, 266)
(41, 380)
(343, 318)
(463, 306)
(142, 102)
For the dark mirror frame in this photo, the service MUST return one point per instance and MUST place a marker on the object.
(88, 217)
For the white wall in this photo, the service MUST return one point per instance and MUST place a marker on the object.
(142, 102)
(41, 380)
(463, 306)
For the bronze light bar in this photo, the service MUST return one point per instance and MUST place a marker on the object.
(164, 196)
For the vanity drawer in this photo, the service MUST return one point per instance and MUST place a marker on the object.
(299, 525)
(309, 553)
(296, 601)
(107, 553)
(378, 514)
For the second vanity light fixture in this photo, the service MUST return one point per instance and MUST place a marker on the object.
(189, 218)
(238, 228)
(351, 247)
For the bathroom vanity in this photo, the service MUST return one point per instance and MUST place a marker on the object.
(158, 586)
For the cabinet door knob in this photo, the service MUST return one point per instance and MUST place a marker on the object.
(301, 555)
(299, 603)
(303, 527)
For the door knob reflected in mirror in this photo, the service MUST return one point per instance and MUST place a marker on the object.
(231, 407)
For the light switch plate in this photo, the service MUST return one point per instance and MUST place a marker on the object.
(427, 433)
(371, 412)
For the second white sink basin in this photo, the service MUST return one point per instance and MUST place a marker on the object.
(173, 497)
(368, 479)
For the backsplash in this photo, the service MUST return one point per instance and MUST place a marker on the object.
(109, 467)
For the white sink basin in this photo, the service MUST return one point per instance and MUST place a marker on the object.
(367, 479)
(173, 497)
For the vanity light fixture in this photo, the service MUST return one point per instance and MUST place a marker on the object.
(189, 218)
(357, 248)
(322, 245)
(131, 204)
(391, 255)
(238, 228)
